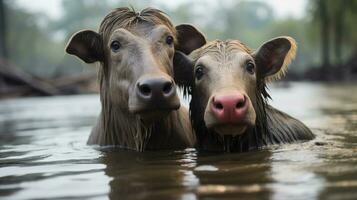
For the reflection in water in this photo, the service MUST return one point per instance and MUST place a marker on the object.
(292, 172)
(43, 155)
(238, 175)
(153, 175)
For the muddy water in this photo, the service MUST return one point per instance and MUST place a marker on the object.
(43, 155)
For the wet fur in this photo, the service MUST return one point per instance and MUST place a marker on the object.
(120, 128)
(272, 126)
(116, 125)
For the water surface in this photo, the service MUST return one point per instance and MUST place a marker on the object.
(43, 155)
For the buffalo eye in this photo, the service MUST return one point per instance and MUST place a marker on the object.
(115, 46)
(169, 40)
(199, 72)
(250, 67)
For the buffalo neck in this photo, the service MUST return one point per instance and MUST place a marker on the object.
(126, 130)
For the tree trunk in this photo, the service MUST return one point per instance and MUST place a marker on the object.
(3, 53)
(325, 33)
(339, 29)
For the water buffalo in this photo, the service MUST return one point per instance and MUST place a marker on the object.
(140, 107)
(227, 83)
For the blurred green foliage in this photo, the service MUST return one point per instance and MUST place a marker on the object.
(36, 43)
(29, 45)
(337, 26)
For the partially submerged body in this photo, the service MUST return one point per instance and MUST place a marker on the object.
(127, 131)
(281, 128)
(140, 106)
(227, 82)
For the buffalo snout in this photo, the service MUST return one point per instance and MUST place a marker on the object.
(155, 89)
(156, 93)
(229, 108)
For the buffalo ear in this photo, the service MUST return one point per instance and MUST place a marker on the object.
(189, 38)
(86, 45)
(183, 70)
(273, 57)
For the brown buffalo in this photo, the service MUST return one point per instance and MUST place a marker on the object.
(140, 107)
(227, 81)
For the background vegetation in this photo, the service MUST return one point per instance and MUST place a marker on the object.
(327, 35)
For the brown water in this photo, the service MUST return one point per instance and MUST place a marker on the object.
(43, 155)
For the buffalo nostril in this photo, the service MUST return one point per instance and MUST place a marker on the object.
(218, 106)
(240, 103)
(167, 87)
(145, 89)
